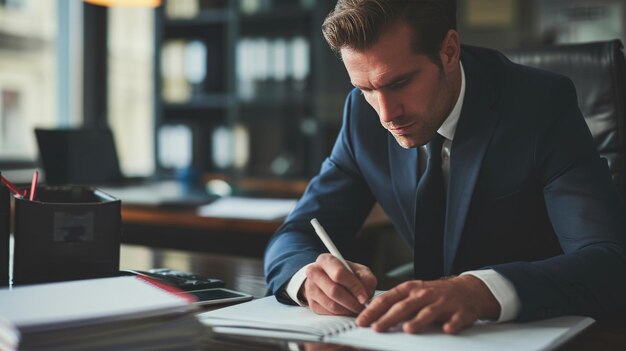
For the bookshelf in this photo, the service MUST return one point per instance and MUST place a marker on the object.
(257, 88)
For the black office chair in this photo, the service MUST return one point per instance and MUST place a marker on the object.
(598, 71)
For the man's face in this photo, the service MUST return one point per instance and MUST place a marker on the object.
(411, 94)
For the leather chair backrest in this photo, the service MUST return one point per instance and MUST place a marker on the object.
(598, 72)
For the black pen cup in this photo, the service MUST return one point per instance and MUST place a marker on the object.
(5, 227)
(66, 233)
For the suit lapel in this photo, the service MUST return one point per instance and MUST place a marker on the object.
(474, 130)
(403, 162)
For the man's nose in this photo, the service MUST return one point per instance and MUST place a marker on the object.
(388, 107)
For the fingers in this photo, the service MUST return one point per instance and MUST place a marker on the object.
(367, 278)
(458, 322)
(395, 306)
(380, 305)
(333, 289)
(335, 298)
(338, 273)
(417, 305)
(436, 312)
(324, 305)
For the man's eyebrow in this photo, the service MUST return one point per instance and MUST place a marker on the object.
(359, 87)
(391, 82)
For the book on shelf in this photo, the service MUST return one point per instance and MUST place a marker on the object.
(267, 317)
(106, 313)
(180, 9)
(175, 87)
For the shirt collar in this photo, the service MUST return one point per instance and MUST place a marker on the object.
(448, 128)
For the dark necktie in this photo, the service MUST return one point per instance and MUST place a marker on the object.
(430, 212)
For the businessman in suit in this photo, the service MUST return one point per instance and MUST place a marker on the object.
(486, 169)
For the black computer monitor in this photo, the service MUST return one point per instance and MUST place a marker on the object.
(78, 156)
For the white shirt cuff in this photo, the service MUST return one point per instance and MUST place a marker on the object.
(502, 290)
(296, 281)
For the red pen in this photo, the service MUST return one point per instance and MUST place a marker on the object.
(33, 186)
(12, 187)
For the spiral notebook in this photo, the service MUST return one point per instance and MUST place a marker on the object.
(268, 318)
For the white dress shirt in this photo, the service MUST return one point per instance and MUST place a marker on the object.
(500, 287)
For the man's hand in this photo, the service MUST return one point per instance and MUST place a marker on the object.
(331, 289)
(456, 303)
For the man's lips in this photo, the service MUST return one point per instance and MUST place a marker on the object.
(402, 130)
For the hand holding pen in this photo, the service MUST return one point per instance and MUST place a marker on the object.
(334, 285)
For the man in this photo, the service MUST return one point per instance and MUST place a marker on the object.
(531, 226)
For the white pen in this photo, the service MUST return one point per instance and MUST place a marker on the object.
(321, 232)
(329, 243)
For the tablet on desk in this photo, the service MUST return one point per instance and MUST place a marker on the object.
(218, 296)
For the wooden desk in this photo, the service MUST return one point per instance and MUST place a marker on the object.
(185, 230)
(246, 274)
(239, 273)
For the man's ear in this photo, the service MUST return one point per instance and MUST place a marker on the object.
(450, 52)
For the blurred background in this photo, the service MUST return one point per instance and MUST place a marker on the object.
(237, 87)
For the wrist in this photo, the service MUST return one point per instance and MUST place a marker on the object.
(488, 306)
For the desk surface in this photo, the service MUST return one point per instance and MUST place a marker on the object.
(246, 274)
(239, 273)
(188, 218)
(184, 229)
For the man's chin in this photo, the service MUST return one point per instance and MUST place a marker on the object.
(405, 141)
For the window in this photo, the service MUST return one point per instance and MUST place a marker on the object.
(28, 31)
(130, 95)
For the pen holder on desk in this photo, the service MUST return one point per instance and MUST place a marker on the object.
(5, 215)
(67, 233)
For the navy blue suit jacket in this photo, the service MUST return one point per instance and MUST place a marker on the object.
(528, 194)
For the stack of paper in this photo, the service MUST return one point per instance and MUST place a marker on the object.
(106, 314)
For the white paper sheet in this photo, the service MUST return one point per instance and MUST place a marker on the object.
(248, 208)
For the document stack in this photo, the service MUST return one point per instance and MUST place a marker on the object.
(105, 314)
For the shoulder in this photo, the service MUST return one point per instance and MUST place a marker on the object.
(524, 89)
(504, 73)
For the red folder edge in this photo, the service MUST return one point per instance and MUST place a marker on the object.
(169, 288)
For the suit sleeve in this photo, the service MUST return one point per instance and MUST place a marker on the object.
(338, 197)
(587, 215)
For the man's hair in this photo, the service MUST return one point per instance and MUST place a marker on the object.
(357, 24)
